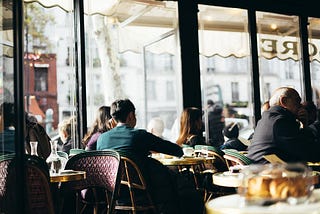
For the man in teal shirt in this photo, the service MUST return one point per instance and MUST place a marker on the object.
(137, 145)
(133, 143)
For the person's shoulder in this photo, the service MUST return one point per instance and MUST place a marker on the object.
(96, 135)
(104, 134)
(140, 131)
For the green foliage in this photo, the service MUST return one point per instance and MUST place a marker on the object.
(35, 22)
(239, 104)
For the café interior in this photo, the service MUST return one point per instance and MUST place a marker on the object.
(63, 59)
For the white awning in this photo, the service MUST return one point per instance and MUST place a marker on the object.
(154, 18)
(103, 7)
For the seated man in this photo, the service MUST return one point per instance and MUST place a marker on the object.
(279, 131)
(136, 144)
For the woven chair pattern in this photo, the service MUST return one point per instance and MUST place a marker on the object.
(38, 194)
(238, 155)
(38, 187)
(99, 170)
(4, 165)
(102, 171)
(6, 169)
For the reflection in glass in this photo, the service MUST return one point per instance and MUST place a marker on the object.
(279, 53)
(314, 47)
(225, 70)
(7, 113)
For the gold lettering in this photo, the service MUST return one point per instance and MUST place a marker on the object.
(312, 49)
(271, 45)
(294, 47)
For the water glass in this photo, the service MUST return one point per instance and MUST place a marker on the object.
(34, 148)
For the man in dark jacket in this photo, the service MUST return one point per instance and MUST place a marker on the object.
(283, 130)
(216, 123)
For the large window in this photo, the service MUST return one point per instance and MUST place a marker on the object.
(224, 62)
(135, 45)
(50, 83)
(279, 53)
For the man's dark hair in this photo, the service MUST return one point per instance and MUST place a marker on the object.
(231, 130)
(120, 109)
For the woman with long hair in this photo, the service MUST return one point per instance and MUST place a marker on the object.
(191, 127)
(101, 124)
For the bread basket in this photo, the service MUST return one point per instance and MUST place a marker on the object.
(271, 183)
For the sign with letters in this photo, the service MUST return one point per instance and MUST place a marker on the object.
(286, 47)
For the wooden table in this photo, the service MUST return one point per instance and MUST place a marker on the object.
(236, 204)
(68, 175)
(193, 164)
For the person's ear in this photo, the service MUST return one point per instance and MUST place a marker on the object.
(283, 101)
(130, 116)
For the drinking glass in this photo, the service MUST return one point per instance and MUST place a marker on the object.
(34, 148)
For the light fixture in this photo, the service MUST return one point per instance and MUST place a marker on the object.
(274, 26)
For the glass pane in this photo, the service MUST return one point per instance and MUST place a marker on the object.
(131, 55)
(7, 114)
(225, 71)
(314, 47)
(279, 53)
(162, 88)
(50, 81)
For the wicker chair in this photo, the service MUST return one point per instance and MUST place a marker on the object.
(233, 157)
(220, 163)
(38, 194)
(39, 197)
(133, 183)
(102, 176)
(6, 182)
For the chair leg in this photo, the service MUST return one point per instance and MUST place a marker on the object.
(77, 202)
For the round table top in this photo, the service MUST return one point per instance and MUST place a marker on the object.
(67, 175)
(226, 179)
(236, 205)
(183, 161)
